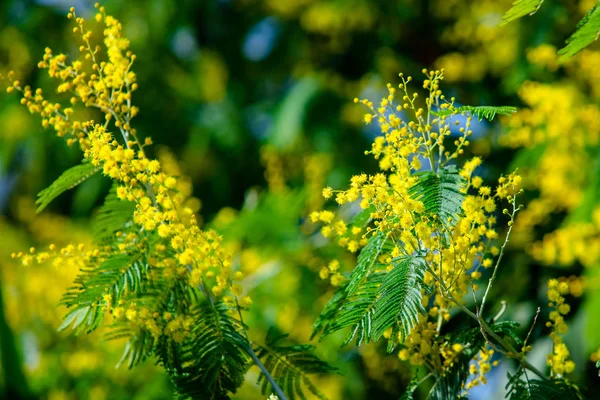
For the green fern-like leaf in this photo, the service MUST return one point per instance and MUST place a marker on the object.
(212, 362)
(554, 389)
(331, 309)
(481, 112)
(409, 393)
(367, 258)
(139, 346)
(356, 312)
(68, 180)
(587, 31)
(521, 8)
(398, 301)
(384, 300)
(440, 193)
(111, 217)
(290, 365)
(115, 276)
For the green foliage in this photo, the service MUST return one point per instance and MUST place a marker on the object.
(353, 310)
(68, 180)
(112, 277)
(410, 389)
(586, 32)
(352, 304)
(481, 112)
(289, 366)
(367, 259)
(440, 193)
(520, 8)
(212, 361)
(111, 217)
(398, 303)
(382, 301)
(534, 389)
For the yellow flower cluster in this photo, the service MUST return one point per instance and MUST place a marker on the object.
(332, 272)
(414, 139)
(544, 55)
(180, 252)
(540, 129)
(576, 242)
(559, 359)
(482, 366)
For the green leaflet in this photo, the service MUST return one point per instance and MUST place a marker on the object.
(111, 217)
(289, 366)
(351, 304)
(398, 301)
(68, 180)
(114, 276)
(410, 389)
(440, 193)
(553, 389)
(586, 32)
(384, 300)
(481, 112)
(212, 361)
(521, 8)
(356, 311)
(330, 311)
(367, 258)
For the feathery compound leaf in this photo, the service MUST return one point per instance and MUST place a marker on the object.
(290, 366)
(139, 347)
(587, 31)
(111, 217)
(212, 361)
(440, 193)
(481, 112)
(68, 180)
(521, 8)
(410, 389)
(399, 297)
(555, 389)
(367, 258)
(357, 312)
(115, 276)
(331, 309)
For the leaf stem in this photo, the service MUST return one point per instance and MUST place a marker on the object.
(263, 369)
(486, 329)
(493, 278)
(248, 348)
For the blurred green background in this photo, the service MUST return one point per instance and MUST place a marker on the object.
(254, 100)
